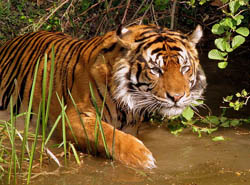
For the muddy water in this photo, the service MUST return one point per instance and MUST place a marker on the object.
(182, 160)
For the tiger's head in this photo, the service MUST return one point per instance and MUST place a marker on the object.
(159, 70)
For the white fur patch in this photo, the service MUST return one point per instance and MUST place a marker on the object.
(160, 61)
(124, 30)
(151, 162)
(121, 92)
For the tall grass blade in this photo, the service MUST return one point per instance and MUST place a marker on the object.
(46, 109)
(28, 116)
(113, 143)
(53, 128)
(34, 145)
(63, 129)
(82, 123)
(75, 153)
(98, 116)
(51, 80)
(12, 135)
(44, 87)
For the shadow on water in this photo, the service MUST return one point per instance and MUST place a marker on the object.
(182, 160)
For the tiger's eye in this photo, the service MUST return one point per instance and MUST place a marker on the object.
(155, 71)
(185, 69)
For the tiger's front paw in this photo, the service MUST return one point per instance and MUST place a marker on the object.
(131, 151)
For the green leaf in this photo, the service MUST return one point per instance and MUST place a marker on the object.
(198, 102)
(177, 131)
(85, 4)
(222, 65)
(228, 23)
(243, 31)
(192, 2)
(188, 113)
(223, 44)
(231, 104)
(237, 41)
(244, 92)
(238, 95)
(220, 43)
(214, 120)
(234, 6)
(215, 54)
(238, 19)
(225, 124)
(218, 138)
(218, 29)
(228, 98)
(161, 4)
(243, 2)
(202, 2)
(223, 119)
(235, 122)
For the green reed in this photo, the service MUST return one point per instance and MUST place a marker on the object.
(34, 145)
(12, 134)
(46, 109)
(28, 116)
(89, 150)
(99, 122)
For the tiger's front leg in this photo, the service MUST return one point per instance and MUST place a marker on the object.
(127, 148)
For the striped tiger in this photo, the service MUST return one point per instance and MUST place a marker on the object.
(136, 71)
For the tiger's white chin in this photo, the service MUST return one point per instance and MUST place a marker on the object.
(171, 111)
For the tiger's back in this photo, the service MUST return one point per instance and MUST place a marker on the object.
(19, 57)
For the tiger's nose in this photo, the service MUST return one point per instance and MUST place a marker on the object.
(175, 97)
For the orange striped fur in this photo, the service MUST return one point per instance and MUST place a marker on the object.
(138, 70)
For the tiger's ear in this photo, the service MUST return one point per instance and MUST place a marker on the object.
(125, 38)
(196, 35)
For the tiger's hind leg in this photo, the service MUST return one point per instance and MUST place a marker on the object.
(127, 148)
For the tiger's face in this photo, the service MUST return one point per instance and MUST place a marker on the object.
(160, 72)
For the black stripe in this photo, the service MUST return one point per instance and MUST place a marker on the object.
(58, 56)
(138, 72)
(102, 99)
(9, 44)
(75, 50)
(175, 48)
(13, 51)
(141, 59)
(49, 53)
(139, 47)
(33, 57)
(145, 38)
(110, 49)
(145, 32)
(88, 44)
(20, 52)
(82, 45)
(96, 44)
(64, 68)
(16, 70)
(157, 40)
(169, 39)
(156, 51)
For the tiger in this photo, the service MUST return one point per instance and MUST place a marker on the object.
(131, 73)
